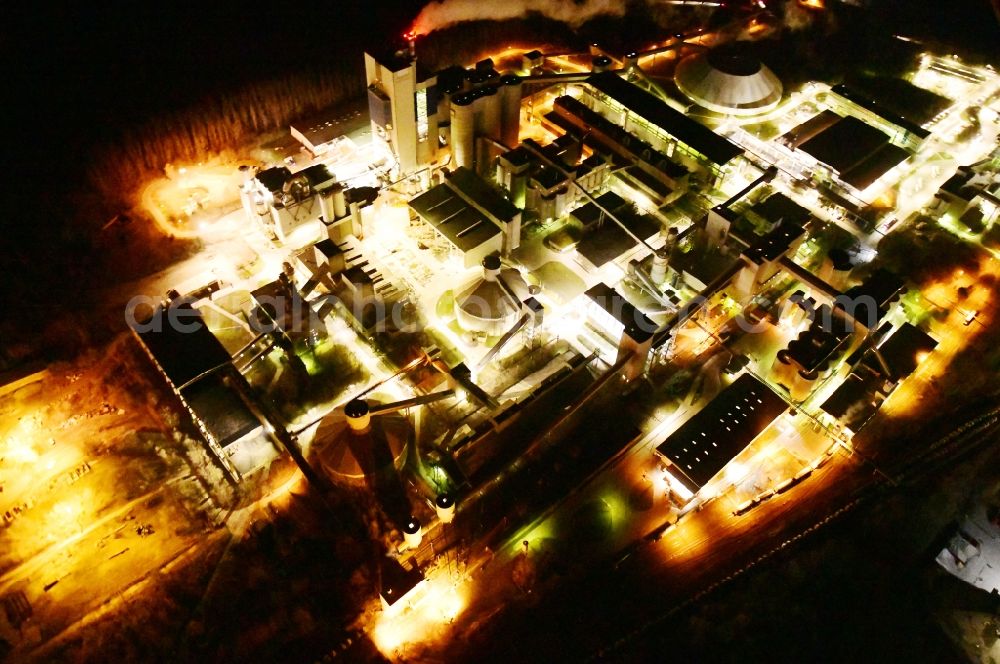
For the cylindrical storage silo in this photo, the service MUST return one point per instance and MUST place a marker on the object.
(840, 269)
(600, 63)
(658, 273)
(444, 505)
(463, 130)
(491, 267)
(489, 116)
(546, 207)
(510, 110)
(358, 415)
(339, 201)
(412, 533)
(444, 100)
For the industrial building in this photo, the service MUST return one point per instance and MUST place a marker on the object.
(853, 152)
(873, 379)
(697, 451)
(621, 323)
(972, 196)
(476, 112)
(318, 135)
(901, 131)
(546, 180)
(403, 108)
(471, 216)
(610, 226)
(681, 138)
(200, 372)
(646, 169)
(282, 201)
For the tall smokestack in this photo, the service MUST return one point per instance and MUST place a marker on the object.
(411, 41)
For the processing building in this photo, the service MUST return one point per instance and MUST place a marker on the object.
(470, 215)
(403, 108)
(477, 112)
(282, 201)
(679, 137)
(200, 372)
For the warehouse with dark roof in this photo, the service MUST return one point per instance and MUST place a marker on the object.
(855, 152)
(707, 442)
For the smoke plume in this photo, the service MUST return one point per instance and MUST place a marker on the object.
(443, 13)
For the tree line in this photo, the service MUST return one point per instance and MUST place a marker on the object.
(214, 125)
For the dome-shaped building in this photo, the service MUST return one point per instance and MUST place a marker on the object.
(728, 81)
(491, 303)
(350, 445)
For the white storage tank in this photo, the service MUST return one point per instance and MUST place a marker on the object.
(413, 533)
(444, 505)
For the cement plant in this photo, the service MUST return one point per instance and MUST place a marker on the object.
(558, 353)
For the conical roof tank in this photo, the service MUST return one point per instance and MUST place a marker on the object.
(485, 306)
(354, 445)
(728, 81)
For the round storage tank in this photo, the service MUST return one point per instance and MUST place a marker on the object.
(485, 306)
(600, 63)
(345, 445)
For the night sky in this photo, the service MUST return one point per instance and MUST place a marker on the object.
(85, 68)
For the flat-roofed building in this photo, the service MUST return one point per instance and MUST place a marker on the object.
(697, 451)
(855, 153)
(318, 134)
(762, 259)
(396, 581)
(623, 324)
(868, 302)
(278, 307)
(881, 368)
(647, 169)
(905, 349)
(200, 372)
(681, 138)
(903, 131)
(603, 239)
